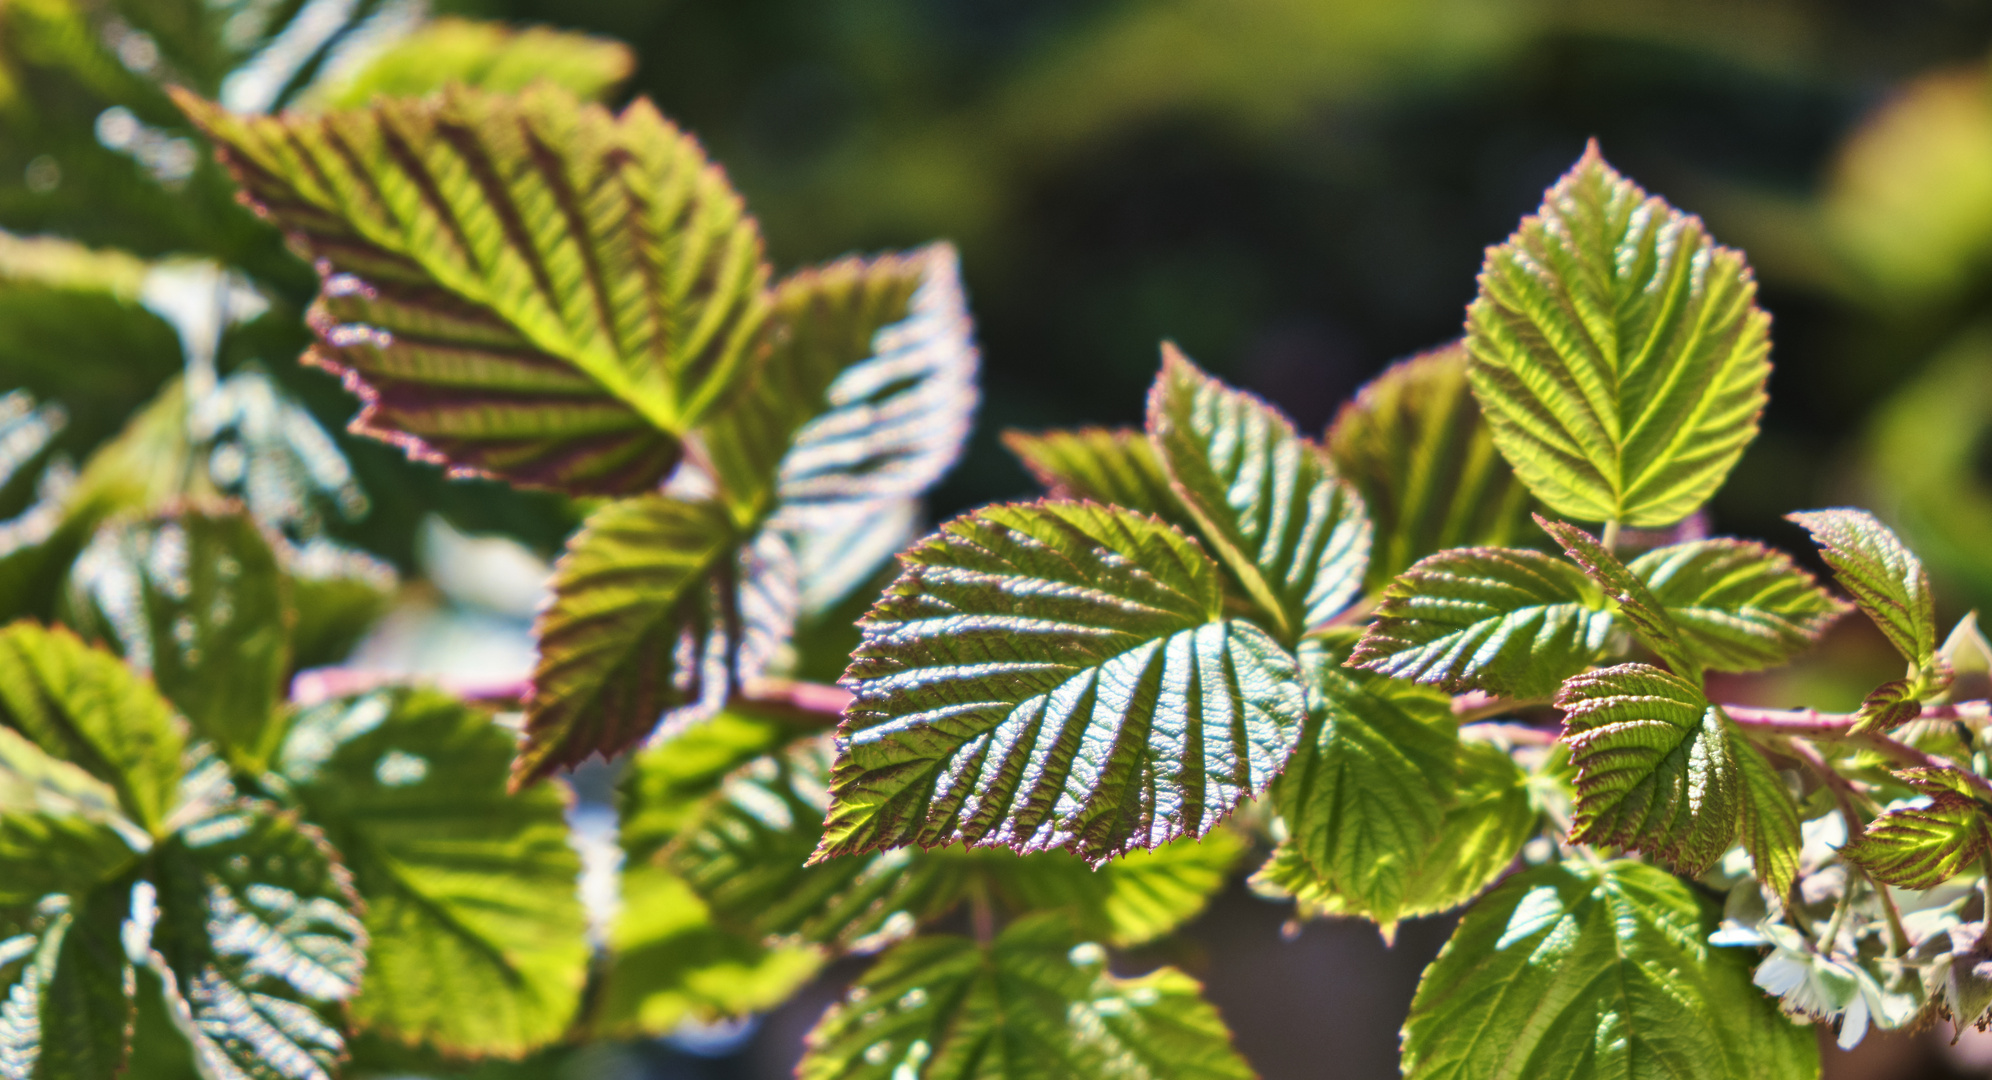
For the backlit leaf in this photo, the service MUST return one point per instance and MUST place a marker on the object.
(1367, 791)
(666, 784)
(1484, 827)
(66, 1003)
(1739, 606)
(1884, 577)
(1108, 465)
(1642, 610)
(43, 853)
(196, 600)
(1268, 500)
(485, 55)
(1656, 765)
(1053, 675)
(470, 893)
(1922, 847)
(1576, 970)
(83, 706)
(1618, 352)
(1769, 820)
(260, 930)
(523, 286)
(1414, 443)
(1506, 620)
(1031, 1004)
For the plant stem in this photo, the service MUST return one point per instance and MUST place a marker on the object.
(1831, 937)
(1809, 722)
(981, 913)
(1476, 705)
(805, 704)
(1897, 935)
(1610, 539)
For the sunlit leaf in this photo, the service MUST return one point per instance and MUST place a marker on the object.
(1921, 847)
(1413, 442)
(1505, 620)
(1656, 765)
(485, 55)
(1769, 820)
(1884, 577)
(523, 286)
(1578, 969)
(260, 930)
(1109, 465)
(51, 842)
(1268, 500)
(470, 893)
(1740, 606)
(1642, 611)
(1018, 637)
(1618, 352)
(338, 593)
(65, 986)
(1484, 827)
(666, 784)
(744, 854)
(1033, 1003)
(83, 706)
(196, 600)
(1367, 791)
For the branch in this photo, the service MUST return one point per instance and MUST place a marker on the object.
(1808, 722)
(805, 704)
(1476, 705)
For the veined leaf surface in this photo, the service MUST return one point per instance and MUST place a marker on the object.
(1574, 970)
(1414, 444)
(1740, 606)
(487, 55)
(1268, 500)
(195, 599)
(1033, 1003)
(1769, 820)
(1367, 791)
(1051, 675)
(516, 285)
(65, 1002)
(478, 943)
(1108, 465)
(1506, 620)
(83, 706)
(1618, 352)
(1642, 610)
(1922, 847)
(1656, 765)
(1884, 577)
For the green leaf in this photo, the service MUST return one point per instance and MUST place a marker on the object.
(1108, 465)
(1884, 577)
(1414, 444)
(339, 593)
(521, 286)
(470, 893)
(1656, 765)
(1031, 1004)
(83, 706)
(1367, 791)
(665, 786)
(668, 962)
(66, 1006)
(485, 55)
(1618, 352)
(43, 852)
(1508, 621)
(744, 855)
(260, 930)
(1489, 819)
(628, 596)
(1739, 606)
(1596, 970)
(1267, 500)
(1643, 611)
(1769, 820)
(1923, 847)
(1051, 675)
(196, 600)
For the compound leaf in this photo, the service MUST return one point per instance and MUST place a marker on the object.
(83, 706)
(1739, 606)
(1922, 847)
(1884, 577)
(1576, 970)
(1414, 444)
(1508, 621)
(1056, 674)
(1642, 610)
(1618, 352)
(478, 942)
(1268, 501)
(1107, 465)
(486, 55)
(259, 930)
(1032, 1003)
(1366, 792)
(195, 599)
(1489, 819)
(1656, 765)
(66, 1007)
(522, 286)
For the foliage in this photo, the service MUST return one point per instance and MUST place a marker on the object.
(1063, 722)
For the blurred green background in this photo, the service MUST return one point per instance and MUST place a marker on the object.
(1295, 191)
